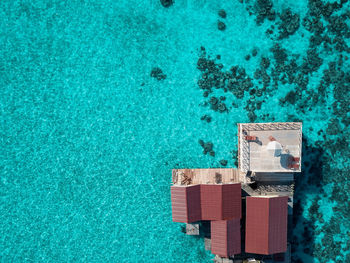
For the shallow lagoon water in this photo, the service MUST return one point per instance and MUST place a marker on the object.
(89, 138)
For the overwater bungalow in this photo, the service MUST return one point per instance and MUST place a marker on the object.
(245, 213)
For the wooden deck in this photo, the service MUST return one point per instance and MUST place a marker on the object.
(207, 176)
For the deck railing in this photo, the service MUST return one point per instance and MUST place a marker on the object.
(244, 150)
(271, 126)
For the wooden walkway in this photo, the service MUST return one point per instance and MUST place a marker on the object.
(207, 176)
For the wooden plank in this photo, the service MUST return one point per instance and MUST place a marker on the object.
(207, 176)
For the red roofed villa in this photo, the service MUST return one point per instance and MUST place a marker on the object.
(266, 224)
(268, 156)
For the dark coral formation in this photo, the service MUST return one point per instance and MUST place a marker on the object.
(254, 52)
(221, 26)
(157, 73)
(167, 3)
(290, 23)
(264, 10)
(206, 118)
(222, 13)
(325, 59)
(207, 147)
(223, 162)
(235, 81)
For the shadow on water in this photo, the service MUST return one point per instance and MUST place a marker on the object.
(308, 182)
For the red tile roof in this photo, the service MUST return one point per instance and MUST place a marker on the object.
(231, 201)
(266, 225)
(211, 202)
(220, 202)
(226, 237)
(206, 202)
(185, 201)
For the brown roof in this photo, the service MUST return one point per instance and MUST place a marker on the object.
(226, 237)
(206, 202)
(211, 202)
(185, 202)
(220, 202)
(231, 201)
(266, 225)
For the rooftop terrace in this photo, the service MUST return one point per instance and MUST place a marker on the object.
(270, 147)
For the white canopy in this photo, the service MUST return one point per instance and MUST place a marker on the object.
(275, 148)
(274, 145)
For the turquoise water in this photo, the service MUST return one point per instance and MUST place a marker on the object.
(89, 138)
